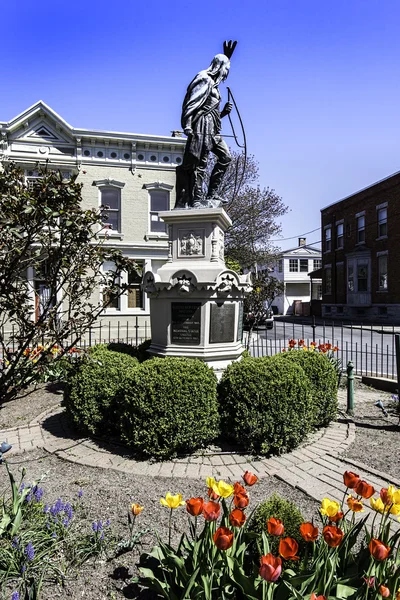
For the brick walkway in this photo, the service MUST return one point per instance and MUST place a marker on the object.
(316, 467)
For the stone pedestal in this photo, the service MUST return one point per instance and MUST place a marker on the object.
(196, 303)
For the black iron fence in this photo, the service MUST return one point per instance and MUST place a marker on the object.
(371, 348)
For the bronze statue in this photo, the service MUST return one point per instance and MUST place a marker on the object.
(201, 122)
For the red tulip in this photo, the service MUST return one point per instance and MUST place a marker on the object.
(275, 526)
(249, 478)
(338, 517)
(308, 532)
(384, 591)
(386, 499)
(239, 489)
(288, 548)
(332, 535)
(241, 500)
(194, 506)
(237, 518)
(211, 494)
(223, 538)
(211, 510)
(378, 549)
(271, 567)
(350, 479)
(364, 489)
(315, 597)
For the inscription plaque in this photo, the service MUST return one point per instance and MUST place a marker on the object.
(240, 323)
(222, 323)
(185, 323)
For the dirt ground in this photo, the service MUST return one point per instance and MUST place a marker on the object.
(108, 494)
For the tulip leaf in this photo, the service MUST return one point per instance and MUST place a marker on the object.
(344, 591)
(190, 584)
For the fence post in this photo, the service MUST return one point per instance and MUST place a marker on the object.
(350, 388)
(397, 346)
(313, 328)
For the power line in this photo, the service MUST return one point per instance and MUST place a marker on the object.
(295, 236)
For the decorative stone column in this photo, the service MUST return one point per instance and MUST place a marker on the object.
(196, 303)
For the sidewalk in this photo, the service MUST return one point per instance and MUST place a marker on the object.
(315, 468)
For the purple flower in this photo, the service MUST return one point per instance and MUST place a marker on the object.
(68, 511)
(22, 487)
(15, 542)
(30, 551)
(46, 508)
(80, 493)
(99, 526)
(94, 526)
(15, 596)
(23, 569)
(108, 522)
(102, 535)
(57, 507)
(38, 493)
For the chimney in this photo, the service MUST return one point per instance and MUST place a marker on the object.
(302, 241)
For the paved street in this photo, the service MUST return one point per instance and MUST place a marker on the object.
(371, 348)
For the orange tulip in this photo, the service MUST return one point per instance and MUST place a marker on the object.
(223, 538)
(315, 597)
(237, 518)
(194, 506)
(301, 343)
(211, 510)
(241, 500)
(378, 549)
(386, 498)
(136, 509)
(288, 548)
(275, 526)
(308, 532)
(239, 489)
(249, 478)
(354, 504)
(332, 535)
(364, 489)
(328, 346)
(350, 479)
(384, 591)
(271, 567)
(398, 594)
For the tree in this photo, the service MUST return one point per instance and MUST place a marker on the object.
(254, 212)
(45, 232)
(257, 304)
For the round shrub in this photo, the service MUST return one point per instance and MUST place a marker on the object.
(323, 380)
(169, 405)
(90, 393)
(265, 404)
(279, 508)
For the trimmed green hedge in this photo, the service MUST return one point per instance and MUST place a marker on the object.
(168, 405)
(90, 392)
(323, 379)
(265, 404)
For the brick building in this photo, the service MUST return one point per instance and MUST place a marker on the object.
(133, 174)
(359, 235)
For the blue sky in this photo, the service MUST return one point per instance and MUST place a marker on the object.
(316, 81)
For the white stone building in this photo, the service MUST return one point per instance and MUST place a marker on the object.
(134, 174)
(293, 267)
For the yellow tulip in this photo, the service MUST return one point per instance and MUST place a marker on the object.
(377, 505)
(396, 496)
(395, 509)
(210, 481)
(171, 501)
(223, 489)
(330, 508)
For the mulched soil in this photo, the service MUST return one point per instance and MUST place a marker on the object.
(108, 494)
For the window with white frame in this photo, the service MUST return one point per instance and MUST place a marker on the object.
(382, 221)
(360, 229)
(303, 265)
(293, 265)
(111, 207)
(383, 273)
(159, 201)
(339, 235)
(135, 291)
(328, 239)
(317, 263)
(111, 299)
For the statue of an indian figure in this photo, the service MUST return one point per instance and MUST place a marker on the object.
(201, 122)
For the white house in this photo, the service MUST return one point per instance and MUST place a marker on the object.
(293, 267)
(133, 174)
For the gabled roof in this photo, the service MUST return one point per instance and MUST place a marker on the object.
(41, 109)
(301, 250)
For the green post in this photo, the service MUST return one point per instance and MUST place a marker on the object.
(350, 388)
